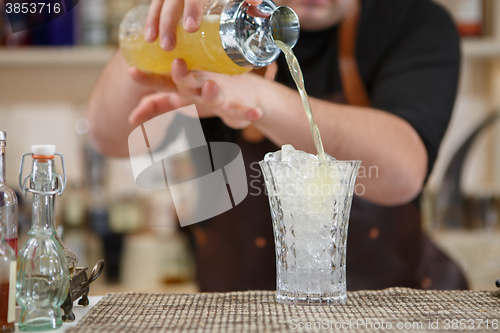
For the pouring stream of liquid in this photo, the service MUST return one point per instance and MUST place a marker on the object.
(296, 73)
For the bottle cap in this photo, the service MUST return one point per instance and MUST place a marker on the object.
(43, 150)
(249, 40)
(3, 136)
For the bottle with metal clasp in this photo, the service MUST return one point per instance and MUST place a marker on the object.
(43, 274)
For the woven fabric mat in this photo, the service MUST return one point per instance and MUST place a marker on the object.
(394, 309)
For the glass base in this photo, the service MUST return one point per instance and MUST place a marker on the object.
(310, 298)
(40, 320)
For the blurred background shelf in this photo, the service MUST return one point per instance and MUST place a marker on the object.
(56, 56)
(85, 56)
(483, 48)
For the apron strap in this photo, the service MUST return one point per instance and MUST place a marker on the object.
(352, 85)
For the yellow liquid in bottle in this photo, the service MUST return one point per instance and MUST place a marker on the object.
(201, 50)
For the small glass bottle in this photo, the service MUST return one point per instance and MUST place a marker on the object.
(8, 201)
(42, 276)
(234, 37)
(7, 284)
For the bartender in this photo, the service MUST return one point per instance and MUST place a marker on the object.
(386, 100)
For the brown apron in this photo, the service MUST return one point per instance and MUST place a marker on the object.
(386, 246)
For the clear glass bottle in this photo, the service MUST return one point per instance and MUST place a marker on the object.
(234, 37)
(7, 284)
(8, 200)
(42, 276)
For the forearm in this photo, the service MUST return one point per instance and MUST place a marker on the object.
(382, 141)
(114, 97)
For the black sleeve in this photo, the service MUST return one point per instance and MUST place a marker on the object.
(418, 77)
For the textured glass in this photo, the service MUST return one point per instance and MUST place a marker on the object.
(42, 276)
(310, 205)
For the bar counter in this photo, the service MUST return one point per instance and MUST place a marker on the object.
(393, 309)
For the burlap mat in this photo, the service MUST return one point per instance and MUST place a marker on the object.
(395, 309)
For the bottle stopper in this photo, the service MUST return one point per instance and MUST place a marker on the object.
(43, 150)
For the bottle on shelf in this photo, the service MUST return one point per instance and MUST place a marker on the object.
(7, 284)
(58, 30)
(234, 38)
(98, 212)
(43, 273)
(73, 219)
(93, 22)
(8, 200)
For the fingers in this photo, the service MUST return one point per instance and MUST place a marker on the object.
(210, 94)
(155, 81)
(234, 113)
(253, 114)
(254, 2)
(268, 72)
(169, 17)
(255, 12)
(153, 105)
(164, 15)
(271, 71)
(193, 11)
(153, 21)
(228, 100)
(184, 80)
(180, 80)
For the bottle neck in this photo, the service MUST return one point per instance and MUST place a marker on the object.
(44, 180)
(2, 162)
(247, 33)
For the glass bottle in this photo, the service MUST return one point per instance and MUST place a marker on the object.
(8, 200)
(7, 284)
(234, 37)
(42, 276)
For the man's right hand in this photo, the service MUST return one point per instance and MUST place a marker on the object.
(164, 15)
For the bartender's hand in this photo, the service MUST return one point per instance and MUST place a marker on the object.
(164, 15)
(234, 99)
